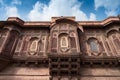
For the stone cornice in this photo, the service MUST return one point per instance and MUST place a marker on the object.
(18, 21)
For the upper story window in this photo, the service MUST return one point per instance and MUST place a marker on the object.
(94, 46)
(64, 41)
(64, 37)
(3, 35)
(33, 46)
(114, 36)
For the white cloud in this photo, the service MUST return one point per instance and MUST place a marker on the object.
(44, 12)
(92, 17)
(111, 6)
(12, 12)
(1, 2)
(16, 2)
(9, 10)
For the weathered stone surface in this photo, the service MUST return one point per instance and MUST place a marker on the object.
(60, 49)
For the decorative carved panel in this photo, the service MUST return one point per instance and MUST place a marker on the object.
(64, 42)
(33, 47)
(11, 43)
(19, 46)
(95, 47)
(25, 46)
(1, 41)
(64, 39)
(3, 36)
(114, 41)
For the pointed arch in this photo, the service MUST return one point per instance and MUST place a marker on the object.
(111, 32)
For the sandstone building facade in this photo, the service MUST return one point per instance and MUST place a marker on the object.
(60, 49)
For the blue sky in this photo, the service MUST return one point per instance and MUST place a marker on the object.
(43, 10)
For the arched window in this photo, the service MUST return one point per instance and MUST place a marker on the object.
(3, 35)
(54, 42)
(33, 46)
(94, 45)
(11, 43)
(19, 45)
(63, 42)
(116, 40)
(114, 37)
(72, 40)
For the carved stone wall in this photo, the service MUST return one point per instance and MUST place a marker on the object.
(64, 38)
(106, 42)
(63, 49)
(32, 43)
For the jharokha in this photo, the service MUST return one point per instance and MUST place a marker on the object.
(60, 49)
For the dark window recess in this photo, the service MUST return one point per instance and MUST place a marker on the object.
(64, 60)
(113, 63)
(54, 66)
(54, 45)
(97, 63)
(74, 60)
(74, 66)
(64, 66)
(31, 63)
(54, 60)
(54, 72)
(73, 72)
(73, 43)
(87, 63)
(9, 44)
(106, 63)
(119, 64)
(64, 72)
(81, 63)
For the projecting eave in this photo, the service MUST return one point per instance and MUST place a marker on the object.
(99, 23)
(19, 22)
(37, 24)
